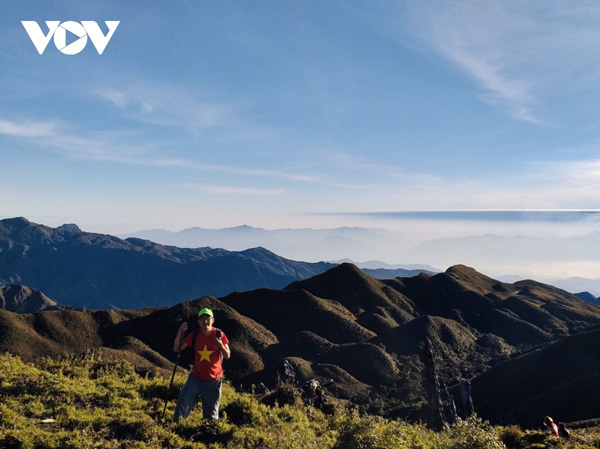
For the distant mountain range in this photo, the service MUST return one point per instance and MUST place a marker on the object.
(531, 349)
(508, 258)
(298, 244)
(83, 269)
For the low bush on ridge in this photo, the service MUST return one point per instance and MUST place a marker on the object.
(90, 401)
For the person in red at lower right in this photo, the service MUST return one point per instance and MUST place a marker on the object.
(551, 426)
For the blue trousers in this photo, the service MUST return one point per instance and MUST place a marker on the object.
(194, 389)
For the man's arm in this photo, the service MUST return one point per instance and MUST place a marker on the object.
(226, 352)
(224, 348)
(179, 344)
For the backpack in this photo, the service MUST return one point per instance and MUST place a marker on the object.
(563, 432)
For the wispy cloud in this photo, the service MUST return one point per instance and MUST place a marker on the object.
(168, 106)
(115, 147)
(510, 93)
(481, 40)
(255, 172)
(54, 135)
(367, 168)
(579, 173)
(27, 129)
(189, 109)
(556, 185)
(232, 190)
(519, 53)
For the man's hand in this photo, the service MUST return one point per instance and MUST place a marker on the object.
(178, 344)
(223, 348)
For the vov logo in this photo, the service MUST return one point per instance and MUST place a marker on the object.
(78, 37)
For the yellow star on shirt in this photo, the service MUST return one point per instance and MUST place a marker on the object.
(205, 354)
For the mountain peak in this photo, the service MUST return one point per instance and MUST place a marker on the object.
(359, 293)
(19, 298)
(474, 280)
(462, 271)
(71, 228)
(16, 223)
(346, 274)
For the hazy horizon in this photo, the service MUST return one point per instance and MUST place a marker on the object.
(542, 245)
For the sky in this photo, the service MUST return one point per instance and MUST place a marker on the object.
(312, 113)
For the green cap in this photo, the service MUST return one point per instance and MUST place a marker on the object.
(206, 311)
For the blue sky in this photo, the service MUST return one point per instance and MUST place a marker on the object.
(299, 113)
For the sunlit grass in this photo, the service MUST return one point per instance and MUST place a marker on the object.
(90, 401)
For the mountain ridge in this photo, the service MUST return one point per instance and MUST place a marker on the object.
(295, 243)
(90, 270)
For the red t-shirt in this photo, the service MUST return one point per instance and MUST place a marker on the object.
(207, 357)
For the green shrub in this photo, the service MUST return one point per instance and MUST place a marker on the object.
(245, 411)
(368, 432)
(284, 394)
(12, 441)
(205, 431)
(473, 433)
(512, 437)
(130, 428)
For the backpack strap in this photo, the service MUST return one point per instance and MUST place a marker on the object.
(197, 331)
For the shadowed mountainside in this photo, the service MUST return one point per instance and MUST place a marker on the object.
(561, 380)
(97, 271)
(364, 334)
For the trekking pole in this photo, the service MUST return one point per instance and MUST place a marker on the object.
(172, 376)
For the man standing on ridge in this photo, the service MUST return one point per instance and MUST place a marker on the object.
(210, 347)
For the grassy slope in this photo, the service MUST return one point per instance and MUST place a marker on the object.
(94, 400)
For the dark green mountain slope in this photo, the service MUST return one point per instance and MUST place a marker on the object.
(561, 380)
